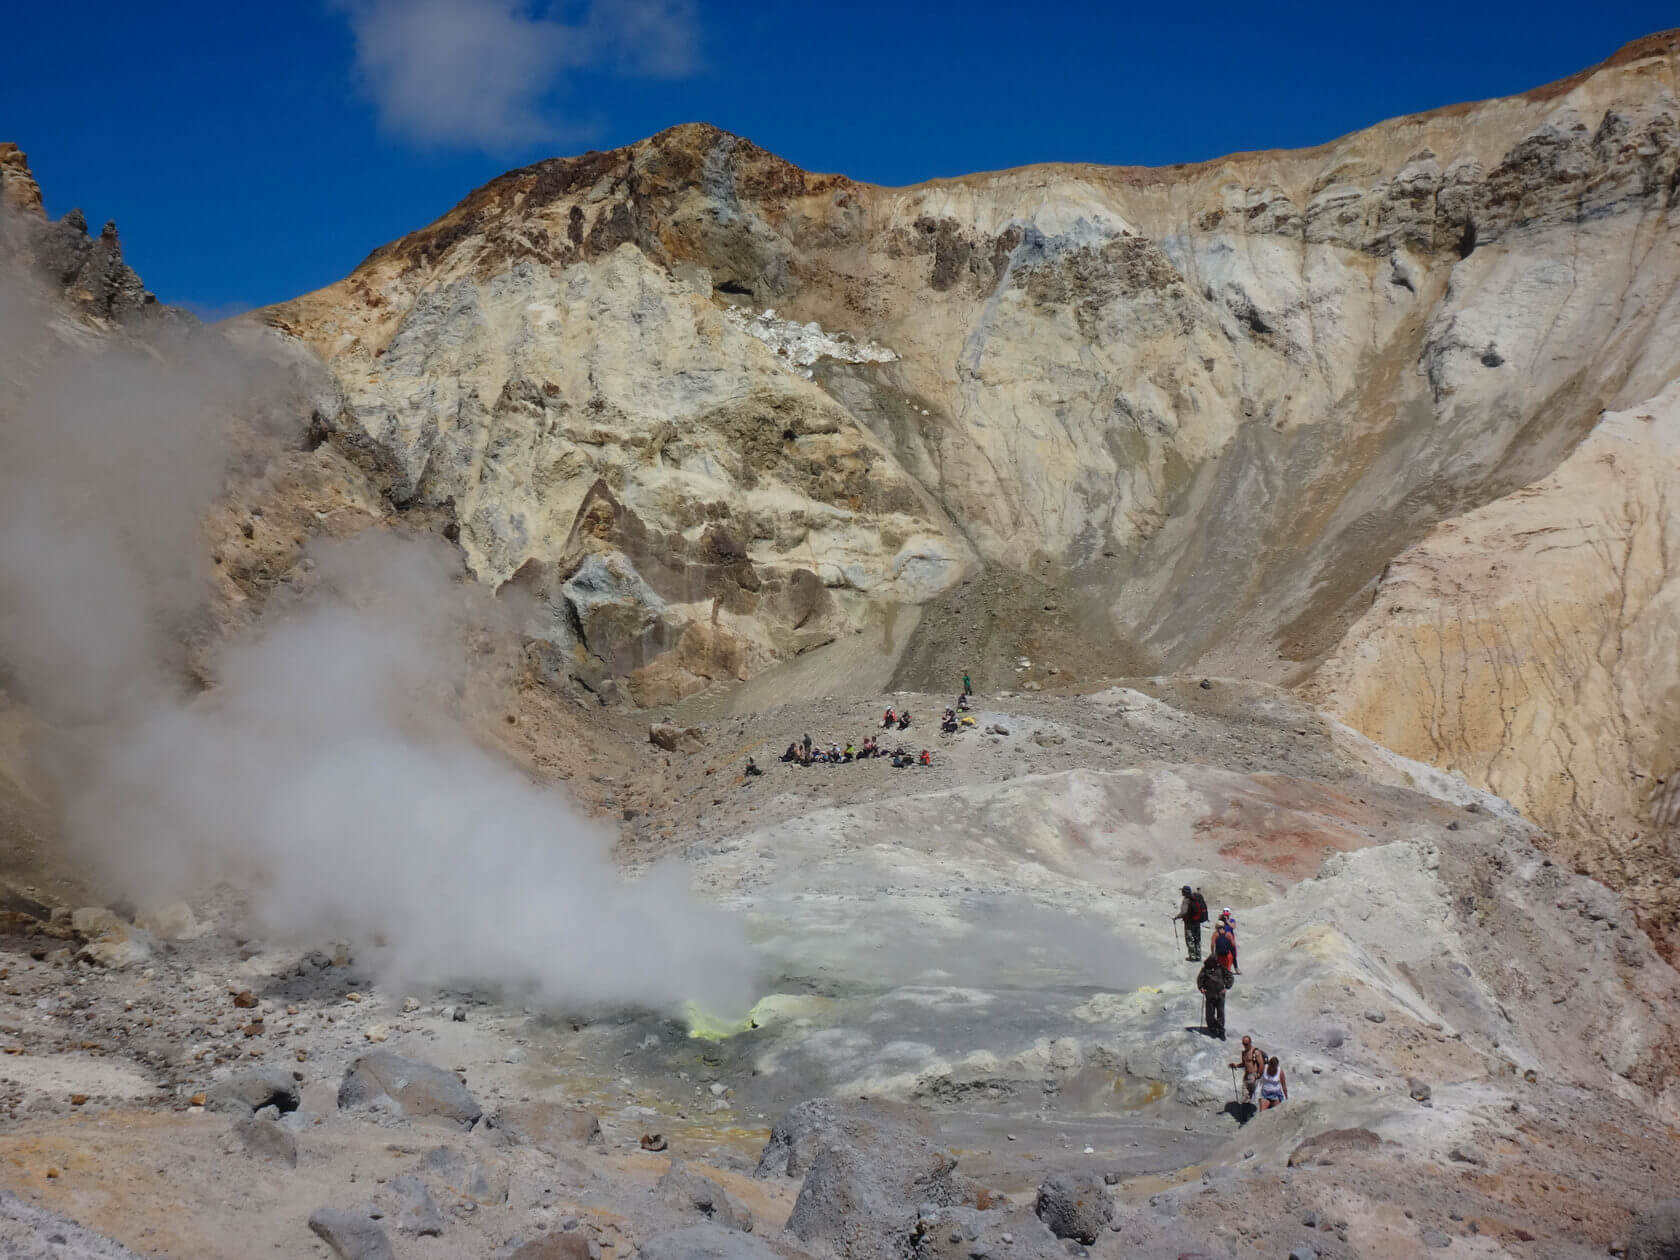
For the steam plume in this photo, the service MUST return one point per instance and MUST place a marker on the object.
(324, 772)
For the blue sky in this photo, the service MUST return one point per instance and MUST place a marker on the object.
(253, 152)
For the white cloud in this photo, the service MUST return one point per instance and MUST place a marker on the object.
(488, 73)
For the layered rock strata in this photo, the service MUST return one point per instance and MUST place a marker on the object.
(1208, 402)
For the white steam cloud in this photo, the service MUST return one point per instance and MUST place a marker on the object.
(328, 771)
(488, 73)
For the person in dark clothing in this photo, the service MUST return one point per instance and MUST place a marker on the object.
(752, 767)
(807, 745)
(904, 719)
(1192, 908)
(1213, 980)
(792, 753)
(962, 703)
(888, 718)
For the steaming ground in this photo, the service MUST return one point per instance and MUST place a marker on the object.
(988, 940)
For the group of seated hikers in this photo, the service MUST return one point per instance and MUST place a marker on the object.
(806, 753)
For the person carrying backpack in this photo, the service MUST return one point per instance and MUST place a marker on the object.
(1253, 1064)
(1225, 940)
(1192, 908)
(1213, 980)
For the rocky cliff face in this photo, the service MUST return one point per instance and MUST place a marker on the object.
(89, 272)
(1530, 646)
(716, 409)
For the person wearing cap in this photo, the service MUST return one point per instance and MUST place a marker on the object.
(1192, 911)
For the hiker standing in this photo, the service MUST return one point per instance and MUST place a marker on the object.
(968, 687)
(1192, 908)
(1225, 946)
(1274, 1086)
(1213, 980)
(1253, 1065)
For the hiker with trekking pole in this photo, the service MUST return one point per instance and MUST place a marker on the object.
(1192, 908)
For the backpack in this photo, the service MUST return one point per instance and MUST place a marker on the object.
(1198, 908)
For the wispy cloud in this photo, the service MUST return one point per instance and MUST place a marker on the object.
(491, 74)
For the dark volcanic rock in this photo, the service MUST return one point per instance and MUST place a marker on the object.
(707, 1242)
(246, 1092)
(421, 1090)
(352, 1235)
(1075, 1205)
(263, 1139)
(690, 1192)
(868, 1166)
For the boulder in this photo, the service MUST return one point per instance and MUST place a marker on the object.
(705, 1242)
(352, 1235)
(264, 1139)
(573, 1245)
(1075, 1205)
(484, 1181)
(125, 947)
(690, 1192)
(552, 1128)
(1656, 1233)
(868, 1166)
(674, 738)
(92, 922)
(28, 1232)
(111, 942)
(172, 922)
(245, 1092)
(421, 1090)
(419, 1213)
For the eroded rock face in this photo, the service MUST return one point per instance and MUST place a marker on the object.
(717, 409)
(1530, 646)
(89, 271)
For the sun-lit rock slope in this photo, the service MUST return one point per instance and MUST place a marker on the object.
(715, 409)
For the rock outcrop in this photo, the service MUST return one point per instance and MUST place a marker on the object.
(88, 271)
(714, 410)
(1531, 646)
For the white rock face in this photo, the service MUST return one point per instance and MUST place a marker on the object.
(1530, 646)
(1207, 404)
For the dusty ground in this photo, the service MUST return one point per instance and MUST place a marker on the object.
(987, 939)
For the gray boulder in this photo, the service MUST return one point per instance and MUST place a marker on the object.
(352, 1235)
(484, 1181)
(264, 1139)
(690, 1192)
(867, 1165)
(245, 1092)
(421, 1090)
(1075, 1205)
(552, 1128)
(419, 1213)
(707, 1242)
(562, 1246)
(1656, 1234)
(28, 1232)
